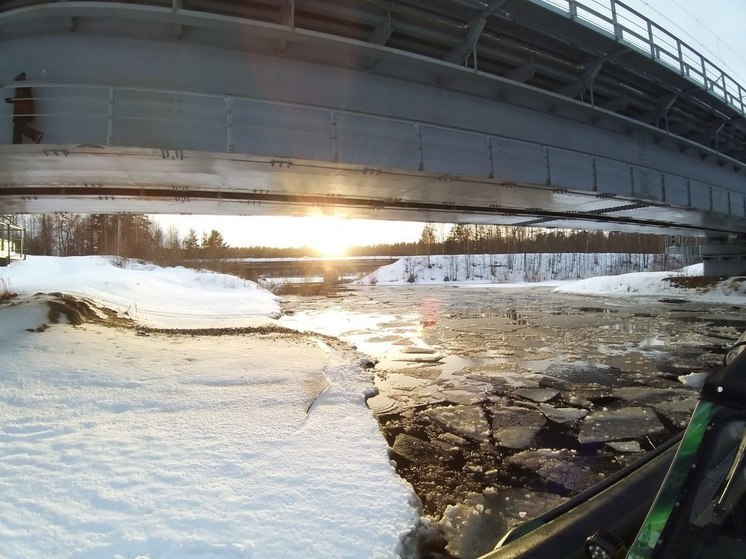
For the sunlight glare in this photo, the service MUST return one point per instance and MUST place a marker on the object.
(328, 236)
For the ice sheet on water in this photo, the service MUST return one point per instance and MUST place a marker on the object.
(516, 428)
(399, 381)
(415, 449)
(678, 411)
(537, 394)
(474, 526)
(565, 375)
(628, 423)
(676, 404)
(383, 405)
(645, 395)
(561, 468)
(562, 415)
(467, 421)
(625, 446)
(468, 395)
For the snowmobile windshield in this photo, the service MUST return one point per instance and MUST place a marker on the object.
(710, 521)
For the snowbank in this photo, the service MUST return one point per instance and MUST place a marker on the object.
(514, 268)
(151, 295)
(660, 284)
(599, 274)
(116, 444)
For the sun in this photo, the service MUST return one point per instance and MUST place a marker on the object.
(330, 247)
(328, 236)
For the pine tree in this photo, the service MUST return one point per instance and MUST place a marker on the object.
(214, 248)
(191, 245)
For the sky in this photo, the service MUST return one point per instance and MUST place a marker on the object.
(714, 28)
(328, 235)
(125, 443)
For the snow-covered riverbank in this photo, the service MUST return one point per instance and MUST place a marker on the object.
(580, 273)
(516, 268)
(119, 443)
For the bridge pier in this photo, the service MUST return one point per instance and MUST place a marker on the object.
(725, 256)
(331, 277)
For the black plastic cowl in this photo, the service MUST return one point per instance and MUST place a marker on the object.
(728, 385)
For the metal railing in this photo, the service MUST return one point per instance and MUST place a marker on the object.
(633, 29)
(146, 117)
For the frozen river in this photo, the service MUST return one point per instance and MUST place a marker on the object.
(498, 403)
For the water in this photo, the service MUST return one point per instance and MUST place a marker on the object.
(520, 329)
(521, 389)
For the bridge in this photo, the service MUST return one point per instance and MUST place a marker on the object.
(331, 269)
(517, 112)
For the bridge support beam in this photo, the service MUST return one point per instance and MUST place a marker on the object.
(725, 256)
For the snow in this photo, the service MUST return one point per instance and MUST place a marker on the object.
(153, 296)
(731, 290)
(693, 380)
(512, 268)
(123, 445)
(600, 273)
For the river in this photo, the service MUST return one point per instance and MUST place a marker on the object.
(499, 403)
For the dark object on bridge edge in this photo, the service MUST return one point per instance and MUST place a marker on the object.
(23, 113)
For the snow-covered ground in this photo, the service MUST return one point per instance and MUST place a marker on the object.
(601, 275)
(153, 296)
(515, 268)
(115, 443)
(659, 284)
(123, 445)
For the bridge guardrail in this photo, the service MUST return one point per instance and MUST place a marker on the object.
(630, 27)
(170, 119)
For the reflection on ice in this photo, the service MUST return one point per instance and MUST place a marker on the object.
(559, 471)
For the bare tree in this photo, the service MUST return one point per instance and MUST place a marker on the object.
(428, 240)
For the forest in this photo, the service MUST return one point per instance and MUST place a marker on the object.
(140, 236)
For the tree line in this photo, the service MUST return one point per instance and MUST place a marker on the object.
(501, 239)
(123, 235)
(138, 236)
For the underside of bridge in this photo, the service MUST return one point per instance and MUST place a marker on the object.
(508, 112)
